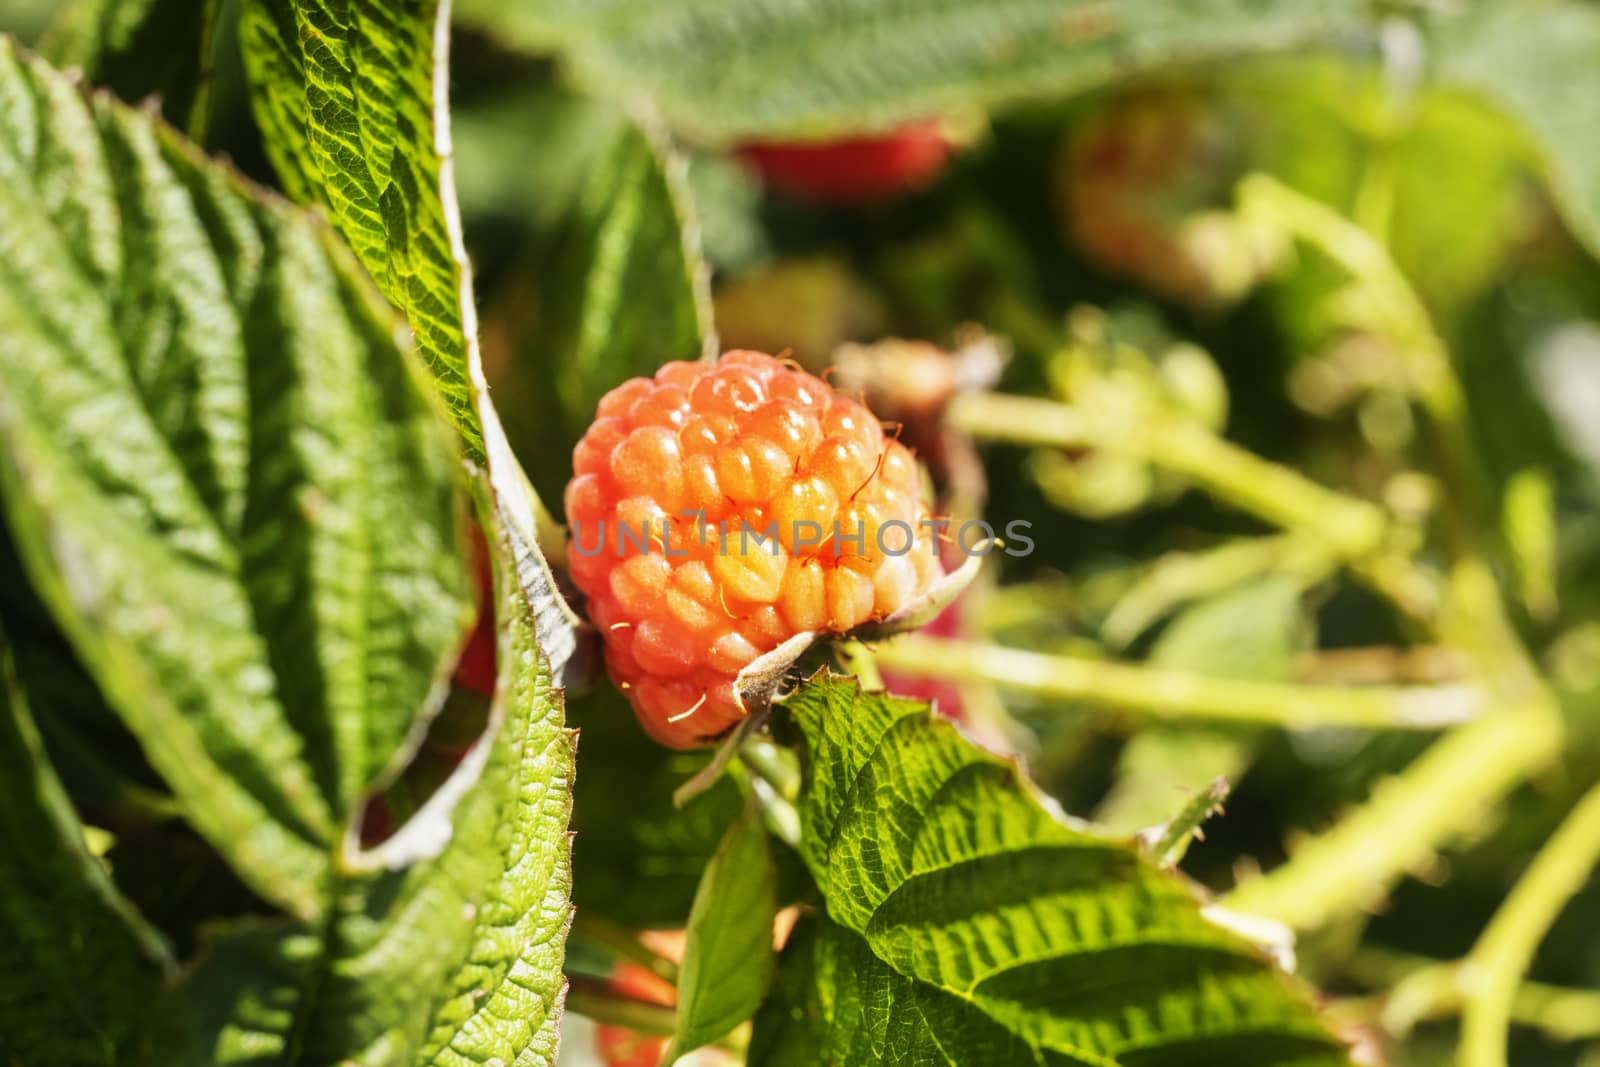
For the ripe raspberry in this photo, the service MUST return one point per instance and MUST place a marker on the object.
(853, 169)
(674, 486)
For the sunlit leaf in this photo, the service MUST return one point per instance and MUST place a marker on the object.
(979, 923)
(452, 960)
(353, 100)
(728, 960)
(221, 476)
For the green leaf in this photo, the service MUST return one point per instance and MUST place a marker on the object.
(142, 48)
(1536, 65)
(1060, 945)
(728, 959)
(75, 959)
(452, 960)
(352, 97)
(1249, 633)
(220, 475)
(839, 1005)
(736, 68)
(625, 292)
(344, 95)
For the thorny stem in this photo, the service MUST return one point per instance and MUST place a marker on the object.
(1443, 794)
(1352, 529)
(1503, 953)
(1408, 817)
(1422, 989)
(1446, 792)
(1271, 492)
(1181, 696)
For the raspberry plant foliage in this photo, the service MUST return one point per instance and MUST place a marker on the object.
(238, 504)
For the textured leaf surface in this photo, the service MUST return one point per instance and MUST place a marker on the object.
(352, 98)
(728, 959)
(1251, 633)
(75, 960)
(220, 476)
(734, 68)
(1538, 67)
(1059, 946)
(142, 48)
(344, 93)
(455, 960)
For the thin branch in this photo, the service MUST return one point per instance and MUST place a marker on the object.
(1445, 793)
(1503, 953)
(1419, 989)
(1181, 696)
(1348, 525)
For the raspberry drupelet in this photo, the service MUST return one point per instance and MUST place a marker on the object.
(719, 509)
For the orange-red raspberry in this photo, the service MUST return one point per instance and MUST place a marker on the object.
(854, 170)
(718, 510)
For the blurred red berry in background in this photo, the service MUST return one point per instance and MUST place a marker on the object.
(856, 169)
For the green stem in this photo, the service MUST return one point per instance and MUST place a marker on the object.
(1354, 530)
(777, 784)
(623, 943)
(1503, 953)
(1273, 493)
(1423, 989)
(1180, 696)
(857, 659)
(1445, 793)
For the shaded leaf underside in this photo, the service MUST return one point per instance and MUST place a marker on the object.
(140, 49)
(74, 960)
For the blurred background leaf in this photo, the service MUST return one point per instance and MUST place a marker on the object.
(744, 67)
(140, 49)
